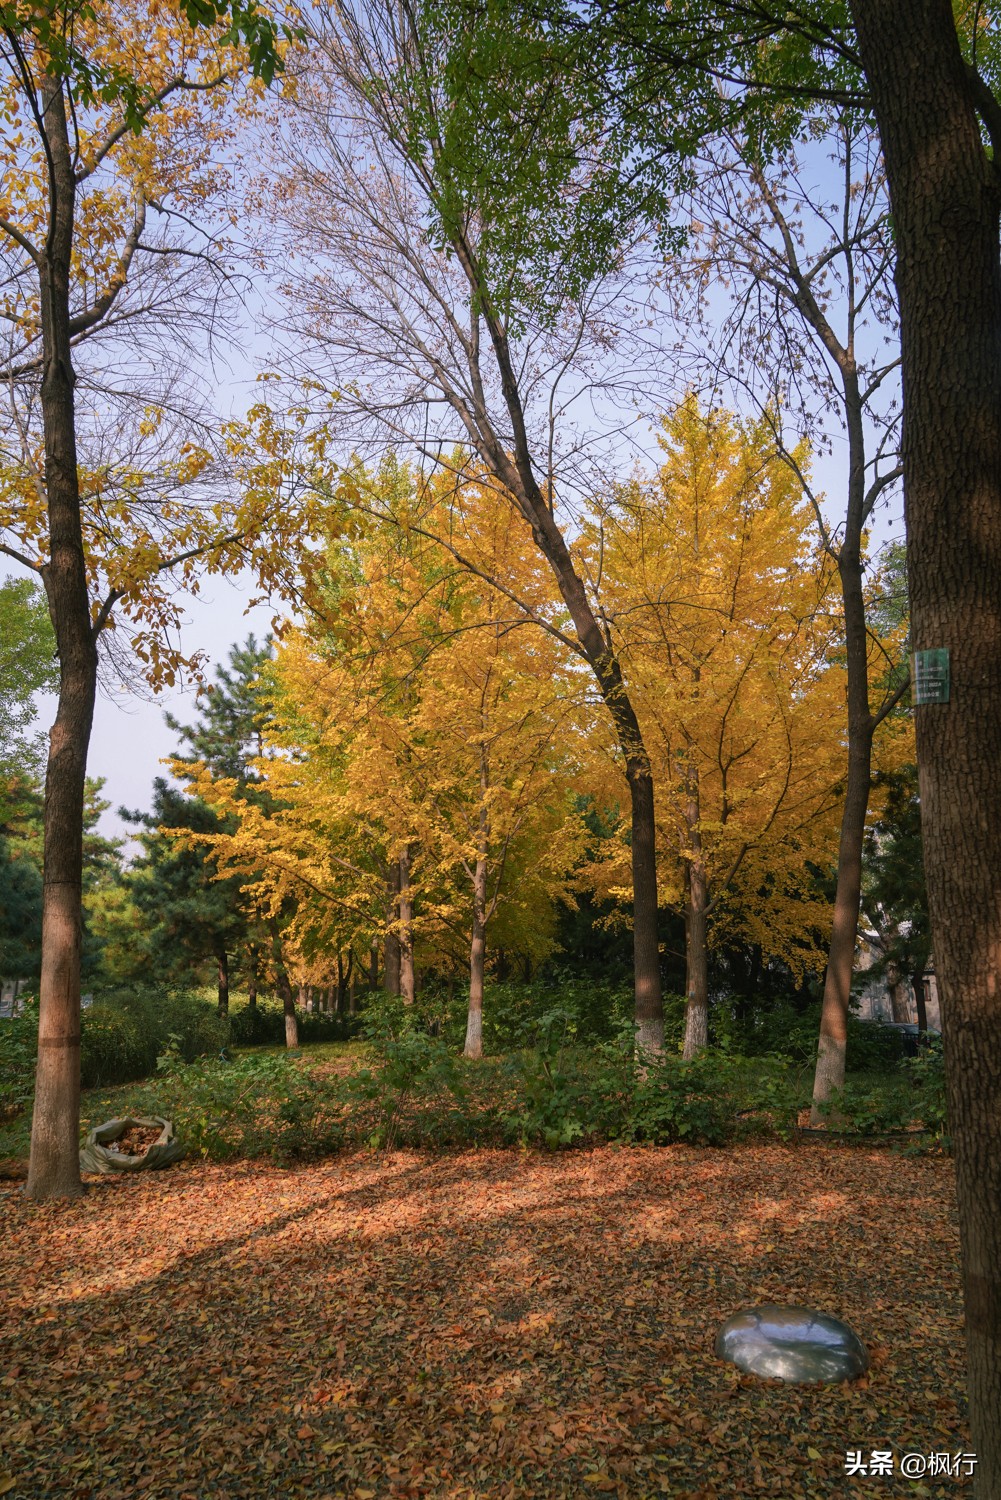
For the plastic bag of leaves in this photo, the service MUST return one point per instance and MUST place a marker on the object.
(135, 1144)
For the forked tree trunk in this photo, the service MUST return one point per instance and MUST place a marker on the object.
(408, 988)
(832, 1046)
(946, 199)
(54, 1169)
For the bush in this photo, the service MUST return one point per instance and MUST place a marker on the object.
(263, 1025)
(18, 1050)
(124, 1032)
(787, 1032)
(250, 1106)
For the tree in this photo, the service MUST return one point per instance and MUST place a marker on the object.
(422, 306)
(80, 86)
(419, 726)
(21, 869)
(190, 915)
(722, 613)
(811, 338)
(894, 894)
(927, 74)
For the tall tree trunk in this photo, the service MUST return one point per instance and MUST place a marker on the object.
(696, 929)
(477, 962)
(340, 983)
(407, 977)
(391, 961)
(222, 980)
(898, 995)
(918, 984)
(284, 988)
(54, 1169)
(946, 199)
(252, 981)
(833, 1046)
(696, 961)
(517, 472)
(373, 966)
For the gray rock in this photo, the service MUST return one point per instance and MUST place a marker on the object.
(796, 1344)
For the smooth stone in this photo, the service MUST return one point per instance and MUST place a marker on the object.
(795, 1344)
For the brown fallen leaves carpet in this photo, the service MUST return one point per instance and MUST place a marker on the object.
(487, 1324)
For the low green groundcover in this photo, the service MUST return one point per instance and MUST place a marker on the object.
(135, 1144)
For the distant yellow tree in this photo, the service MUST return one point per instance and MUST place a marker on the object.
(423, 773)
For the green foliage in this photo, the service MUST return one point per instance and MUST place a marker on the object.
(123, 1034)
(18, 1050)
(251, 1106)
(785, 1031)
(28, 666)
(264, 1025)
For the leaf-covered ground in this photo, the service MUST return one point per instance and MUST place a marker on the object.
(486, 1324)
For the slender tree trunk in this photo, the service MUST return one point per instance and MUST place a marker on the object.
(833, 1046)
(696, 929)
(284, 988)
(340, 983)
(516, 471)
(918, 983)
(222, 981)
(477, 963)
(373, 967)
(946, 199)
(288, 1005)
(54, 1169)
(252, 981)
(391, 961)
(407, 976)
(696, 961)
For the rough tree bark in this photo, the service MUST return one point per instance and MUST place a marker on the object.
(54, 1169)
(946, 198)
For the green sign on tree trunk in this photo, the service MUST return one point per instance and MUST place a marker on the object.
(930, 676)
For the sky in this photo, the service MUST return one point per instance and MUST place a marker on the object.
(130, 738)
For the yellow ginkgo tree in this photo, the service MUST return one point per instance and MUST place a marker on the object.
(727, 627)
(424, 751)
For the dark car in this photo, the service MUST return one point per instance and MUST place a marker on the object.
(911, 1037)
